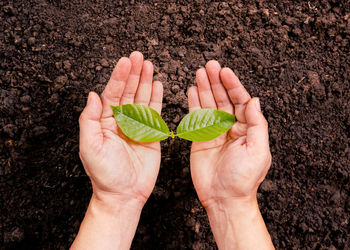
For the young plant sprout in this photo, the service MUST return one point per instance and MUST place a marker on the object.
(144, 124)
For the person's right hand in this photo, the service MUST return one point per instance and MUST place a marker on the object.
(232, 166)
(122, 171)
(120, 168)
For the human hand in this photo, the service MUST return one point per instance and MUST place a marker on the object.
(232, 166)
(119, 168)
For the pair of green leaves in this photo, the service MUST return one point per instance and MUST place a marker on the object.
(144, 124)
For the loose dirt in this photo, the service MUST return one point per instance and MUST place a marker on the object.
(294, 55)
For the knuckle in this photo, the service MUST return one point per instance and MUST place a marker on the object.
(265, 156)
(129, 95)
(265, 123)
(82, 117)
(269, 158)
(223, 103)
(110, 95)
(81, 155)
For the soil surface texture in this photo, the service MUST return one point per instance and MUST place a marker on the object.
(294, 55)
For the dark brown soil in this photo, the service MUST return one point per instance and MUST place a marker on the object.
(294, 55)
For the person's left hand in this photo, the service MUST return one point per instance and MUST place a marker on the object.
(232, 166)
(118, 167)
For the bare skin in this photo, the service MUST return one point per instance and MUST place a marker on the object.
(122, 172)
(226, 172)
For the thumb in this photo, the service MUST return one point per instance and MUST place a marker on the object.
(257, 127)
(89, 123)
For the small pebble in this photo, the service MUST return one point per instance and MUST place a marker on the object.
(31, 40)
(104, 63)
(67, 65)
(109, 39)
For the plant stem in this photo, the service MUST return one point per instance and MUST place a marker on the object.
(172, 135)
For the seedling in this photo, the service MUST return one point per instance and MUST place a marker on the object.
(144, 124)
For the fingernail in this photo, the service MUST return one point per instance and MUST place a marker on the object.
(257, 104)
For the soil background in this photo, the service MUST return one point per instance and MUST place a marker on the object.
(294, 55)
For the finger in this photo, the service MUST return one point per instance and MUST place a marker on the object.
(220, 94)
(257, 127)
(144, 91)
(238, 130)
(237, 93)
(115, 86)
(89, 123)
(205, 93)
(193, 99)
(157, 96)
(132, 83)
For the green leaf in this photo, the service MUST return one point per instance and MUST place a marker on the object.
(140, 123)
(204, 124)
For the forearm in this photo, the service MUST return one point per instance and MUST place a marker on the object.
(238, 224)
(108, 224)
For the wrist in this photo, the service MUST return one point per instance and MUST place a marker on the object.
(237, 224)
(109, 223)
(235, 206)
(115, 204)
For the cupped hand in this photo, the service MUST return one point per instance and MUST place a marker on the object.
(233, 165)
(118, 167)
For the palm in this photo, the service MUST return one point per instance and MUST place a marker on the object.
(227, 166)
(222, 175)
(116, 164)
(127, 165)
